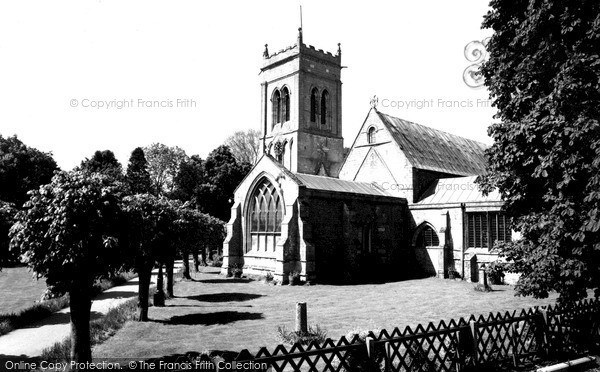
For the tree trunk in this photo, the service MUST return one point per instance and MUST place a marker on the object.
(169, 266)
(196, 260)
(144, 275)
(160, 286)
(204, 256)
(80, 304)
(186, 265)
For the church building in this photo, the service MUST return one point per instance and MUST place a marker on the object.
(400, 203)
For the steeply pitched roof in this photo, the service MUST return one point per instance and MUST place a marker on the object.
(457, 190)
(435, 150)
(337, 185)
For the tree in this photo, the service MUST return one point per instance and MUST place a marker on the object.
(163, 165)
(68, 235)
(245, 145)
(137, 176)
(103, 162)
(147, 234)
(8, 214)
(189, 177)
(22, 168)
(543, 74)
(222, 175)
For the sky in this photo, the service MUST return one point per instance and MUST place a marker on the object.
(80, 76)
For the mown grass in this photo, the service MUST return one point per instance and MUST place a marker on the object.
(40, 310)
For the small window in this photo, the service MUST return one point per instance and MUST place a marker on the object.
(427, 238)
(313, 105)
(276, 101)
(371, 135)
(285, 103)
(324, 101)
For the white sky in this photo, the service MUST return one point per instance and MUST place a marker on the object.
(210, 52)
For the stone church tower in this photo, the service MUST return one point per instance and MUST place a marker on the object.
(301, 109)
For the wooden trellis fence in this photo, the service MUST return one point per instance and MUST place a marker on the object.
(460, 345)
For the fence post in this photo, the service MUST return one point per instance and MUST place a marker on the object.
(301, 322)
(513, 336)
(370, 343)
(472, 327)
(543, 331)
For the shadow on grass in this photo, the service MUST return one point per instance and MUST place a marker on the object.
(220, 317)
(59, 318)
(225, 297)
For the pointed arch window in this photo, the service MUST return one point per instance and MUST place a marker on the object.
(285, 104)
(371, 135)
(265, 215)
(324, 108)
(313, 105)
(276, 101)
(427, 238)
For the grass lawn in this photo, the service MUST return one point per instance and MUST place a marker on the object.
(216, 313)
(18, 289)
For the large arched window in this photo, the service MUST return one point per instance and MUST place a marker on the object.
(427, 237)
(285, 103)
(324, 102)
(276, 107)
(313, 104)
(265, 214)
(371, 135)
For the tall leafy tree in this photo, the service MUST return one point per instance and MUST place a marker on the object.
(8, 214)
(22, 168)
(189, 177)
(103, 162)
(147, 235)
(137, 176)
(163, 165)
(245, 145)
(222, 174)
(68, 235)
(543, 74)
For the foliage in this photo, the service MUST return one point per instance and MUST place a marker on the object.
(543, 76)
(495, 272)
(294, 278)
(188, 178)
(313, 334)
(148, 230)
(22, 168)
(137, 176)
(68, 230)
(163, 165)
(452, 273)
(8, 214)
(222, 175)
(245, 145)
(217, 260)
(68, 235)
(103, 162)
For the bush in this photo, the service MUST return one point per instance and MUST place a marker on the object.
(217, 260)
(495, 272)
(294, 278)
(316, 334)
(452, 273)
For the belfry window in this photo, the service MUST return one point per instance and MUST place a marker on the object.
(276, 101)
(313, 104)
(285, 103)
(324, 99)
(265, 215)
(371, 135)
